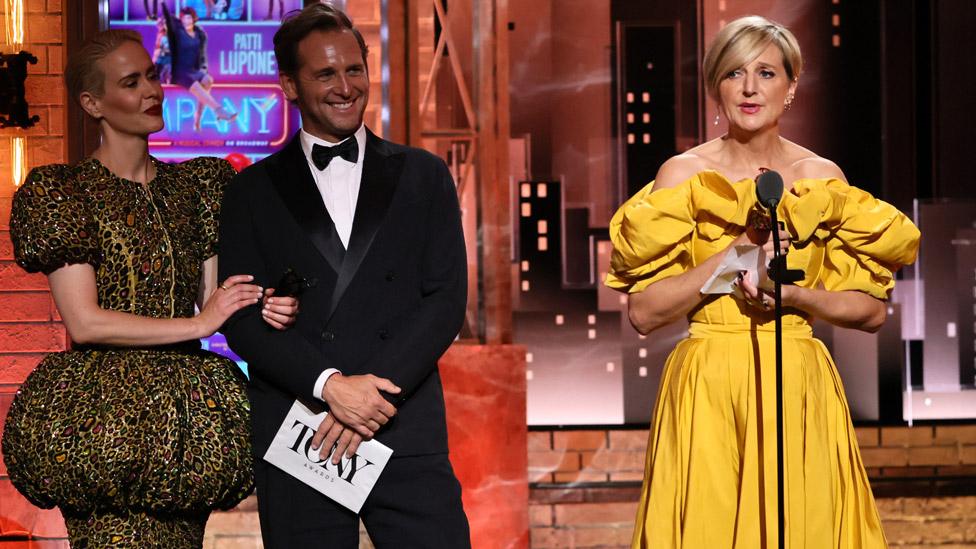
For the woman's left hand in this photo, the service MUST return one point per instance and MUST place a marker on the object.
(755, 296)
(279, 312)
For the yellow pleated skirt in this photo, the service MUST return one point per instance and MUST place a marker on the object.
(710, 479)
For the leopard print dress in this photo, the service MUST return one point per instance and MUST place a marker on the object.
(136, 446)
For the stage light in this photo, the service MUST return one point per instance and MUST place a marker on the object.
(13, 72)
(18, 160)
(13, 20)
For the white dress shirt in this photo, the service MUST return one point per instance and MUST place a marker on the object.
(338, 184)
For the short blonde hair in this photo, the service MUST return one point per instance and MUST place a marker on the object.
(82, 73)
(743, 40)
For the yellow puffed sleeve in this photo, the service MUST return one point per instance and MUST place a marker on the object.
(650, 235)
(865, 239)
(652, 232)
(50, 222)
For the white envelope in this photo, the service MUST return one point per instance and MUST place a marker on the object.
(348, 483)
(749, 258)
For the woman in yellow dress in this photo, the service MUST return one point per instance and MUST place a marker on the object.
(710, 479)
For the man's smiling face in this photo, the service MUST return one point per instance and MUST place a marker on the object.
(331, 86)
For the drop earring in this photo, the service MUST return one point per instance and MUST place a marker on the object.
(789, 103)
(715, 122)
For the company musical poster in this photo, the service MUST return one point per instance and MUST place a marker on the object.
(216, 60)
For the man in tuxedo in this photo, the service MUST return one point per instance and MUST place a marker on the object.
(374, 228)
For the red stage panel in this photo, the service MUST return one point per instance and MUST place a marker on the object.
(484, 390)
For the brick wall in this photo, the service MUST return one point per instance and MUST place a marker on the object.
(586, 456)
(618, 455)
(29, 323)
(578, 518)
(943, 450)
(586, 483)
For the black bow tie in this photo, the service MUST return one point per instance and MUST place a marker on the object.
(348, 150)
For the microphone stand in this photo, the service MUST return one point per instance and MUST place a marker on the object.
(769, 190)
(779, 265)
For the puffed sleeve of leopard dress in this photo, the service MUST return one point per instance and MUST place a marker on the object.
(50, 222)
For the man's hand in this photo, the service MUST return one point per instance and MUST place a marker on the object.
(279, 312)
(334, 433)
(356, 402)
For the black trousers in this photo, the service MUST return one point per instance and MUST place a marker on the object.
(416, 503)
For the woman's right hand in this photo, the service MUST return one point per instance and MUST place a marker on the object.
(232, 295)
(764, 239)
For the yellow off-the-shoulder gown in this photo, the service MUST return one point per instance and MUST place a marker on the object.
(710, 478)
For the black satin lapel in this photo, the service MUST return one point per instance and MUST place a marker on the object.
(297, 189)
(380, 174)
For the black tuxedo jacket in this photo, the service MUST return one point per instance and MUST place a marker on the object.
(390, 305)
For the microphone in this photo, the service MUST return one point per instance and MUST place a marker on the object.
(769, 189)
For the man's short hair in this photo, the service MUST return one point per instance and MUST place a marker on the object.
(299, 24)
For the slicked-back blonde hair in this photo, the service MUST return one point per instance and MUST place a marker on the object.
(743, 40)
(83, 73)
